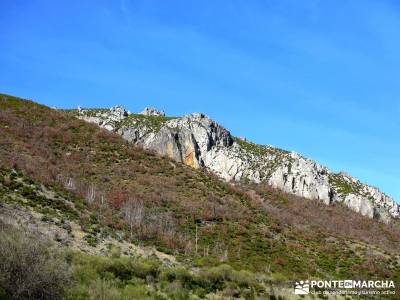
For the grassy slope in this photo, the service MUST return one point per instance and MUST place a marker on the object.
(261, 230)
(111, 272)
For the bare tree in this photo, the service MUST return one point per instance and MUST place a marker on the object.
(91, 194)
(133, 212)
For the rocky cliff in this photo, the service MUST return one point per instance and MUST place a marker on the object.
(198, 141)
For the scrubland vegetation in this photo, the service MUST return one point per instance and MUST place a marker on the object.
(34, 268)
(229, 240)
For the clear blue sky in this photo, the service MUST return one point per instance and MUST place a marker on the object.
(318, 77)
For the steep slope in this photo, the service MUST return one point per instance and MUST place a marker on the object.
(115, 190)
(198, 141)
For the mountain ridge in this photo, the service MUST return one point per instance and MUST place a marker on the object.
(199, 141)
(88, 187)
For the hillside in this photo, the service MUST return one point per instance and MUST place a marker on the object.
(198, 141)
(94, 188)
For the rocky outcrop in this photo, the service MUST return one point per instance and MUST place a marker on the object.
(198, 141)
(188, 139)
(106, 118)
(150, 111)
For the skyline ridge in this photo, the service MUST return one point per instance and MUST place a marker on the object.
(301, 76)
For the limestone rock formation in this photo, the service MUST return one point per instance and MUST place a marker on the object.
(150, 111)
(198, 141)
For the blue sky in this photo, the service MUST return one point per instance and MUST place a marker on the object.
(318, 77)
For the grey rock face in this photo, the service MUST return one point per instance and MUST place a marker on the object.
(198, 141)
(186, 139)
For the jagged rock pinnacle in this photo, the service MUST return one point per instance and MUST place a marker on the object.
(150, 111)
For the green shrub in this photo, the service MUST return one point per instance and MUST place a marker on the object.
(179, 274)
(139, 292)
(121, 268)
(91, 240)
(144, 268)
(103, 289)
(114, 251)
